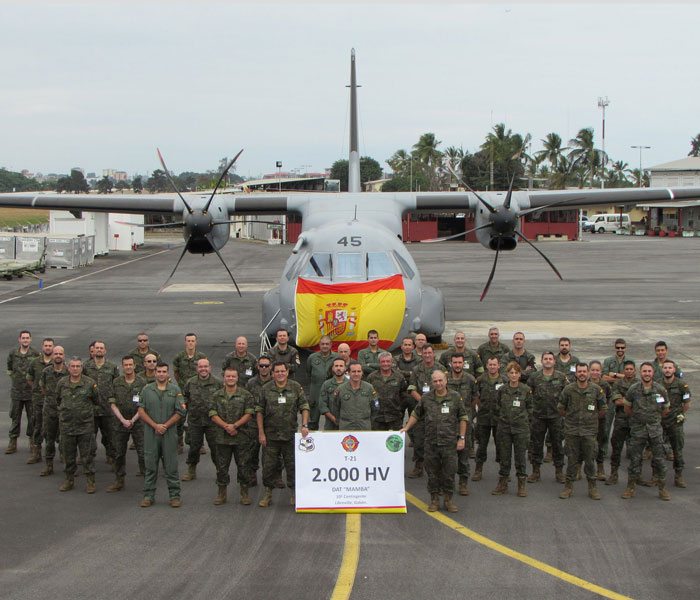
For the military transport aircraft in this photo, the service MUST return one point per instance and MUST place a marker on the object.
(349, 271)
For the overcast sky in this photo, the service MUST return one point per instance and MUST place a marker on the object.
(101, 86)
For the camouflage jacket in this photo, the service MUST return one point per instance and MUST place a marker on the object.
(441, 415)
(647, 406)
(48, 380)
(582, 407)
(17, 367)
(229, 408)
(198, 395)
(184, 367)
(514, 408)
(487, 392)
(472, 362)
(279, 408)
(390, 394)
(546, 391)
(678, 394)
(246, 366)
(33, 375)
(104, 376)
(76, 405)
(126, 396)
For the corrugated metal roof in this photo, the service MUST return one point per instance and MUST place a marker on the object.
(681, 204)
(690, 163)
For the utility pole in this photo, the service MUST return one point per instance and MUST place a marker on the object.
(640, 161)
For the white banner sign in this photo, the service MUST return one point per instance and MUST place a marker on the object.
(351, 471)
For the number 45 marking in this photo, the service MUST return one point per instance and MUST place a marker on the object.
(355, 240)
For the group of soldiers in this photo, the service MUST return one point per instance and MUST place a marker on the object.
(454, 404)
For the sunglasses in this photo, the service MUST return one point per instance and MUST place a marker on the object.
(142, 340)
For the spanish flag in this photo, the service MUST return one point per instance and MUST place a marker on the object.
(347, 311)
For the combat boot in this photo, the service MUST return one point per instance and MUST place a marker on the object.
(678, 480)
(434, 502)
(629, 492)
(67, 485)
(36, 455)
(567, 491)
(601, 472)
(663, 492)
(548, 456)
(522, 492)
(221, 496)
(244, 495)
(117, 486)
(447, 503)
(535, 474)
(48, 468)
(417, 470)
(267, 500)
(593, 492)
(654, 480)
(478, 471)
(191, 473)
(501, 488)
(293, 499)
(90, 487)
(559, 475)
(612, 480)
(463, 489)
(12, 446)
(644, 482)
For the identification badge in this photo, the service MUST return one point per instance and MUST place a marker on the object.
(135, 398)
(249, 372)
(572, 369)
(516, 403)
(466, 365)
(444, 409)
(660, 399)
(591, 407)
(499, 386)
(282, 399)
(376, 403)
(686, 396)
(347, 376)
(426, 388)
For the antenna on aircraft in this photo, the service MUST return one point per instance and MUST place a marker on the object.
(354, 159)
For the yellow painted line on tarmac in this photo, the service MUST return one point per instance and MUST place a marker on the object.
(351, 555)
(523, 558)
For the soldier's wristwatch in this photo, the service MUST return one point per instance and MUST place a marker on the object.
(461, 437)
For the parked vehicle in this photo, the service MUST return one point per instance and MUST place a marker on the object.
(609, 222)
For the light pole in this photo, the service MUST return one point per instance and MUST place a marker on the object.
(603, 104)
(640, 161)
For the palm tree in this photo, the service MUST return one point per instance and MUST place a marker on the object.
(552, 149)
(585, 157)
(695, 146)
(561, 174)
(617, 176)
(427, 152)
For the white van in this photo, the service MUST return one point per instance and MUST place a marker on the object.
(608, 222)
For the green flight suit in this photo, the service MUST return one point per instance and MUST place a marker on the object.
(317, 367)
(328, 401)
(369, 360)
(356, 407)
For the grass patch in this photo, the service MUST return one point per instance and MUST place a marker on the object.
(13, 217)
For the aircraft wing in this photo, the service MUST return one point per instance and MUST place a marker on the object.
(580, 198)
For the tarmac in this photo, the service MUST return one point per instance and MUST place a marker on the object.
(74, 545)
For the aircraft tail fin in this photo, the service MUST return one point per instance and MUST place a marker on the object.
(354, 184)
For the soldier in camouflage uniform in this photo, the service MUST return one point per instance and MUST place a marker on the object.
(124, 404)
(18, 361)
(472, 362)
(621, 430)
(566, 362)
(661, 351)
(390, 386)
(369, 357)
(276, 410)
(487, 386)
(678, 394)
(546, 385)
(446, 419)
(255, 386)
(493, 348)
(48, 380)
(465, 385)
(358, 404)
(284, 352)
(317, 366)
(232, 407)
(405, 363)
(103, 372)
(184, 368)
(513, 411)
(520, 355)
(418, 385)
(77, 397)
(142, 349)
(582, 404)
(612, 366)
(42, 361)
(198, 393)
(328, 399)
(161, 406)
(243, 361)
(646, 404)
(595, 370)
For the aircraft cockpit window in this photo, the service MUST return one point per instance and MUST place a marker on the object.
(379, 264)
(349, 265)
(406, 269)
(319, 265)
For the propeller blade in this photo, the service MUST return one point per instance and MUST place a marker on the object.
(509, 195)
(225, 222)
(177, 264)
(542, 254)
(218, 183)
(170, 179)
(493, 270)
(456, 235)
(160, 225)
(466, 185)
(221, 258)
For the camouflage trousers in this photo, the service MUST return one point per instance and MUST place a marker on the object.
(676, 438)
(272, 453)
(441, 466)
(620, 435)
(37, 422)
(241, 454)
(120, 444)
(197, 433)
(637, 443)
(70, 445)
(51, 427)
(155, 448)
(512, 444)
(483, 434)
(17, 406)
(581, 449)
(463, 467)
(103, 425)
(390, 425)
(539, 427)
(417, 433)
